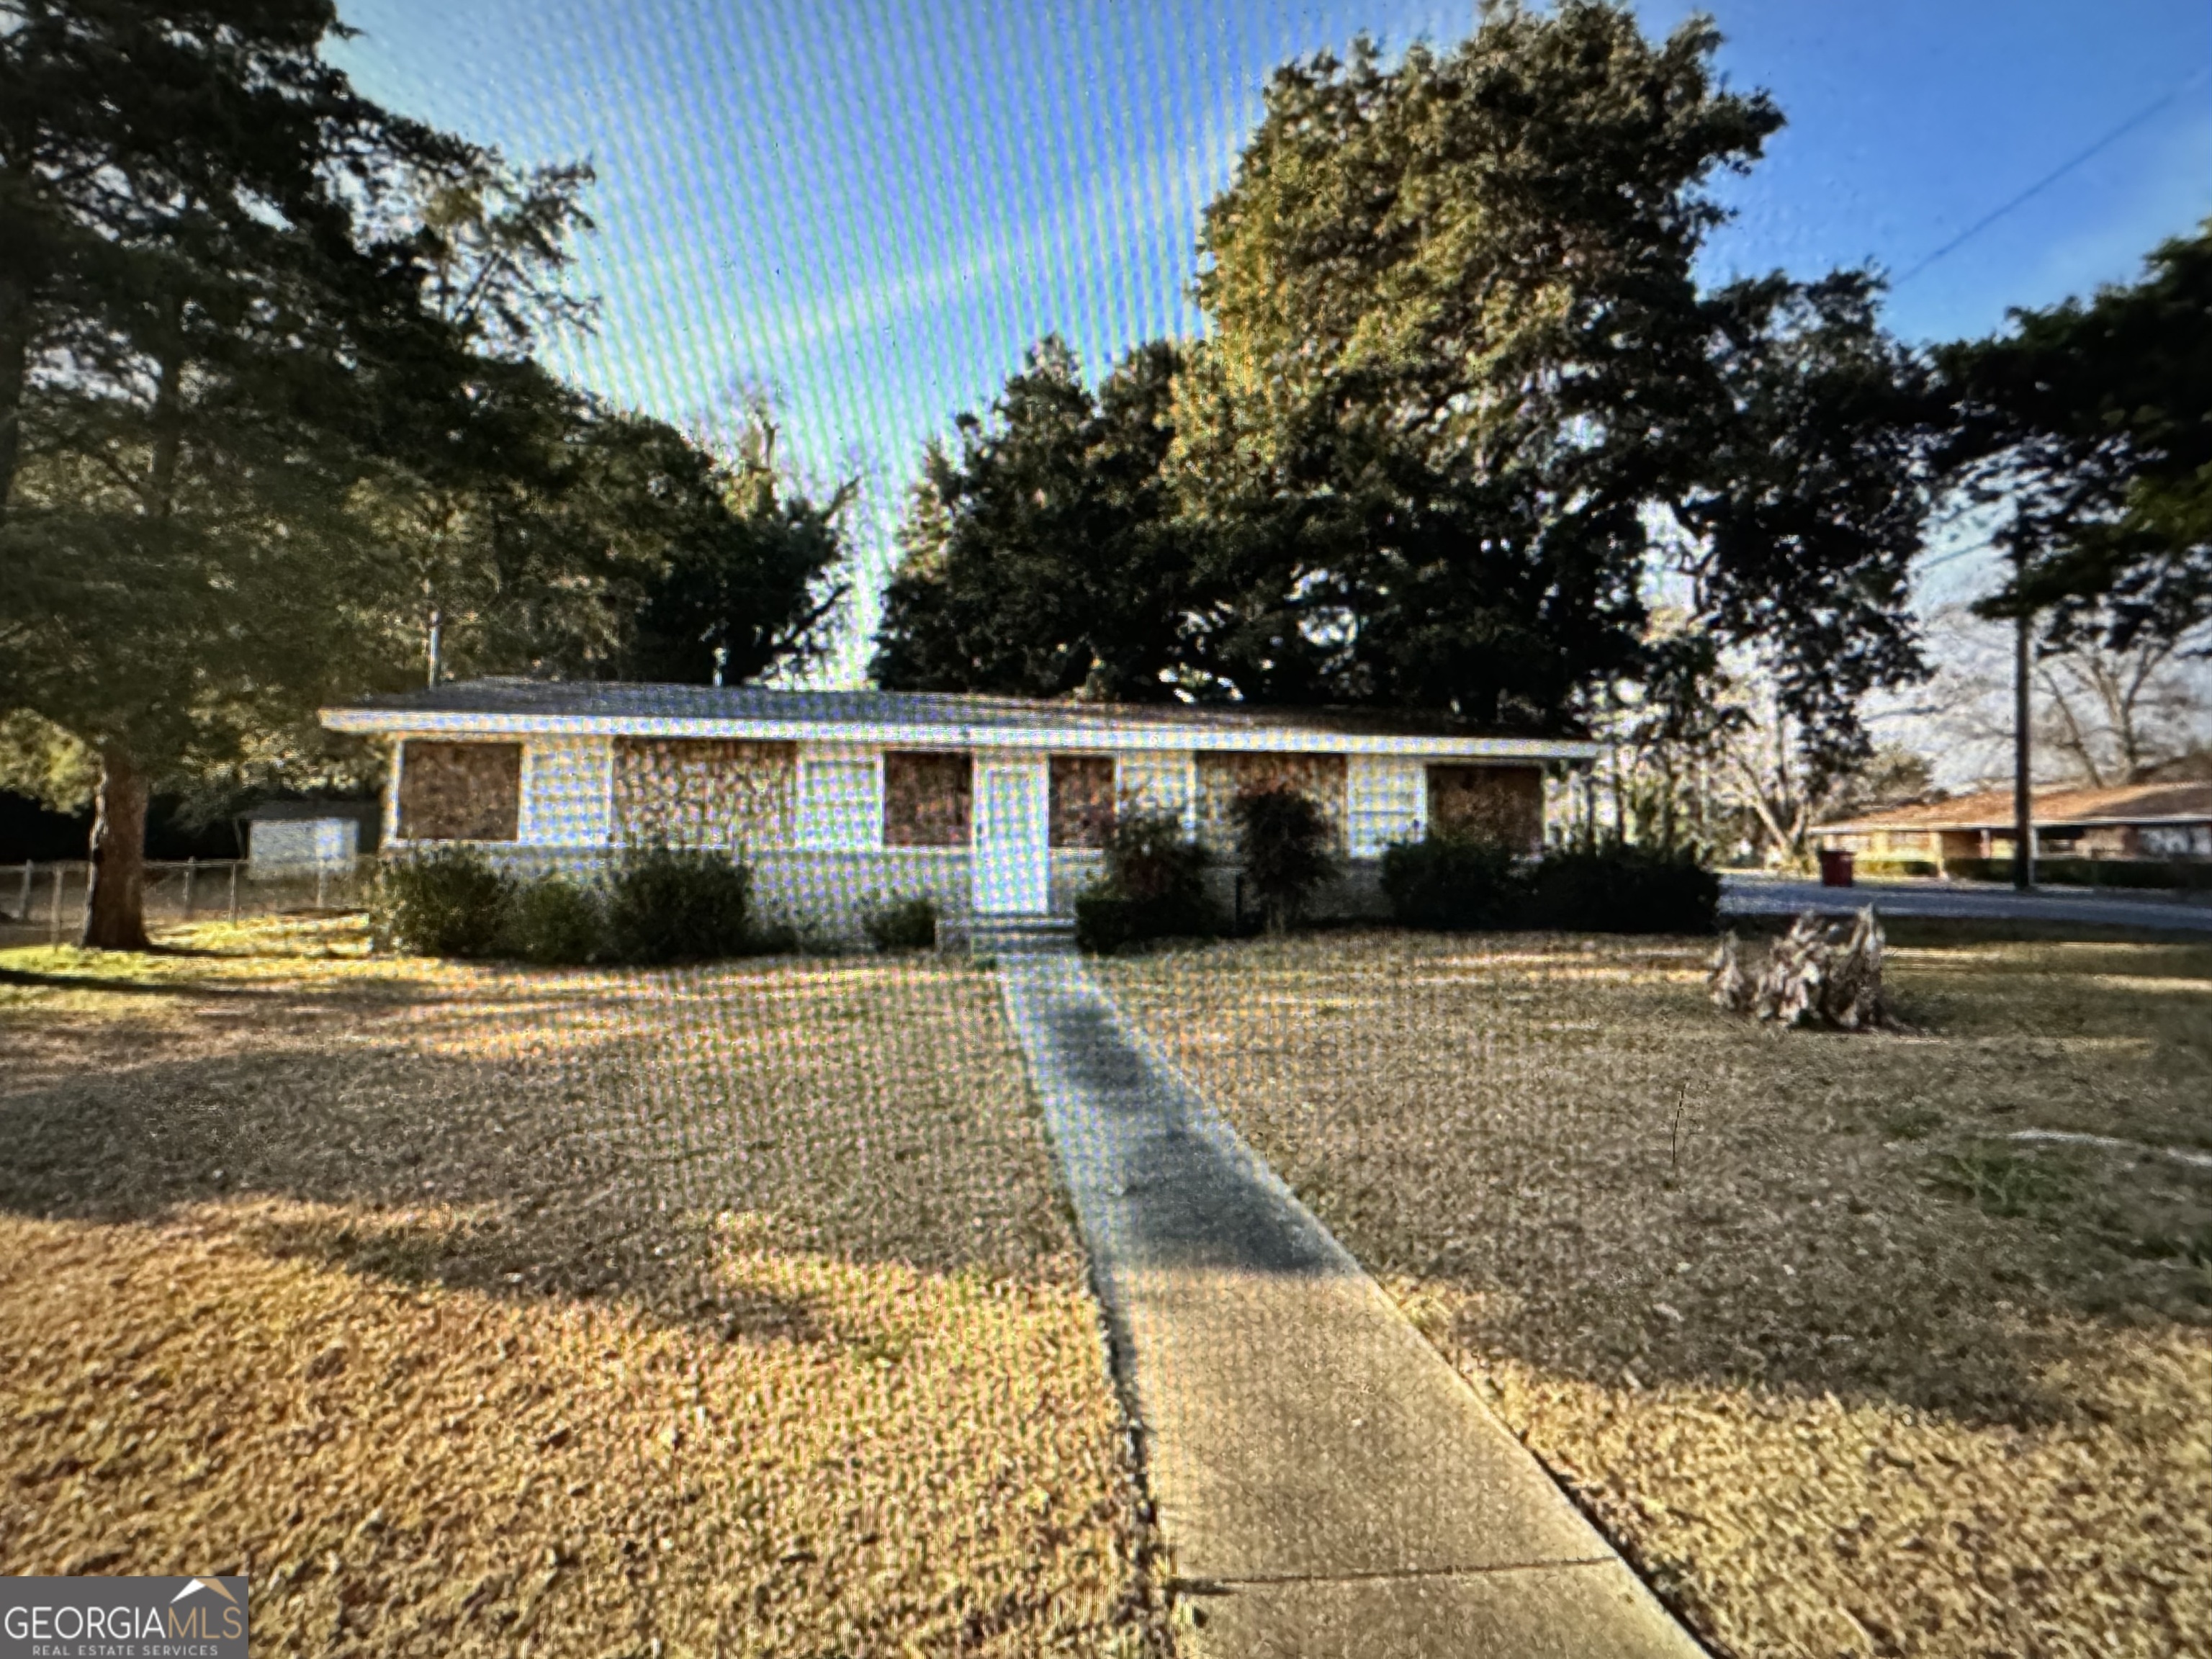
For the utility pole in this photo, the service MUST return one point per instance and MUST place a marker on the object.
(2023, 754)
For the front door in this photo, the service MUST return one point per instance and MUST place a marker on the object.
(1013, 856)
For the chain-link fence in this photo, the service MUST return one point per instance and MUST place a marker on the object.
(43, 903)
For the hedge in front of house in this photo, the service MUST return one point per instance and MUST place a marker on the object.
(668, 904)
(901, 924)
(1106, 921)
(555, 922)
(1877, 869)
(447, 902)
(1154, 887)
(1621, 888)
(2165, 874)
(660, 905)
(1452, 882)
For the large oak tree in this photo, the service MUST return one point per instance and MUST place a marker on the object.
(1460, 400)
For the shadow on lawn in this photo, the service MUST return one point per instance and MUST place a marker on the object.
(595, 1170)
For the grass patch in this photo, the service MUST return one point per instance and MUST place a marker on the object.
(2000, 1183)
(1912, 1121)
(1845, 1368)
(725, 1310)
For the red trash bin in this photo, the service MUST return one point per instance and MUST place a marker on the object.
(1835, 868)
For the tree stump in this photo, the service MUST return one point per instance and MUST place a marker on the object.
(1814, 975)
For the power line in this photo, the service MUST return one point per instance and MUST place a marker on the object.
(1953, 557)
(2053, 176)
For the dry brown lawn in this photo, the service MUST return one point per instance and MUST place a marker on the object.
(1843, 1356)
(478, 1309)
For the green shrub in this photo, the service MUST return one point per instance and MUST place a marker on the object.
(2164, 874)
(1154, 887)
(670, 905)
(2167, 875)
(555, 922)
(1621, 888)
(449, 901)
(1454, 883)
(1150, 858)
(1105, 921)
(1282, 840)
(903, 924)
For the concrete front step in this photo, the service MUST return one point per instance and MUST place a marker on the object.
(1005, 936)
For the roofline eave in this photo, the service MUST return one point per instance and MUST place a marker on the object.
(1094, 735)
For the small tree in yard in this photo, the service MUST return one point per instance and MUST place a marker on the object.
(1283, 841)
(1155, 885)
(1152, 861)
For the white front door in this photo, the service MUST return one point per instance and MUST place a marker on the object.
(1013, 854)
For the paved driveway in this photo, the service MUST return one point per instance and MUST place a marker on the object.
(1768, 895)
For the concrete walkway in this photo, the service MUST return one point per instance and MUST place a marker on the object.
(1327, 1485)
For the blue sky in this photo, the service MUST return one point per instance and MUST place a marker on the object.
(875, 210)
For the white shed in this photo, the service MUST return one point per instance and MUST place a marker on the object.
(286, 838)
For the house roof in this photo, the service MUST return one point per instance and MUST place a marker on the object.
(519, 707)
(2141, 803)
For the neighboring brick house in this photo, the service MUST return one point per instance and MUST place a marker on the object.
(993, 806)
(2137, 821)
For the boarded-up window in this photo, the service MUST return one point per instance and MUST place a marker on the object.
(1082, 799)
(702, 792)
(1222, 778)
(460, 791)
(1501, 803)
(926, 798)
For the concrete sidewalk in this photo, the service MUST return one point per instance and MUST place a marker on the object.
(1327, 1485)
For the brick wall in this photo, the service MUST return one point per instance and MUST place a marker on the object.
(460, 791)
(1505, 803)
(928, 798)
(702, 792)
(1222, 778)
(1082, 799)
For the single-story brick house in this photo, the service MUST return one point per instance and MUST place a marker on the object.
(2139, 821)
(994, 807)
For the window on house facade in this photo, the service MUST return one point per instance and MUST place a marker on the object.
(2175, 841)
(1384, 803)
(1156, 781)
(840, 804)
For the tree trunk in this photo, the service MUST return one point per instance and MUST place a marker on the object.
(115, 908)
